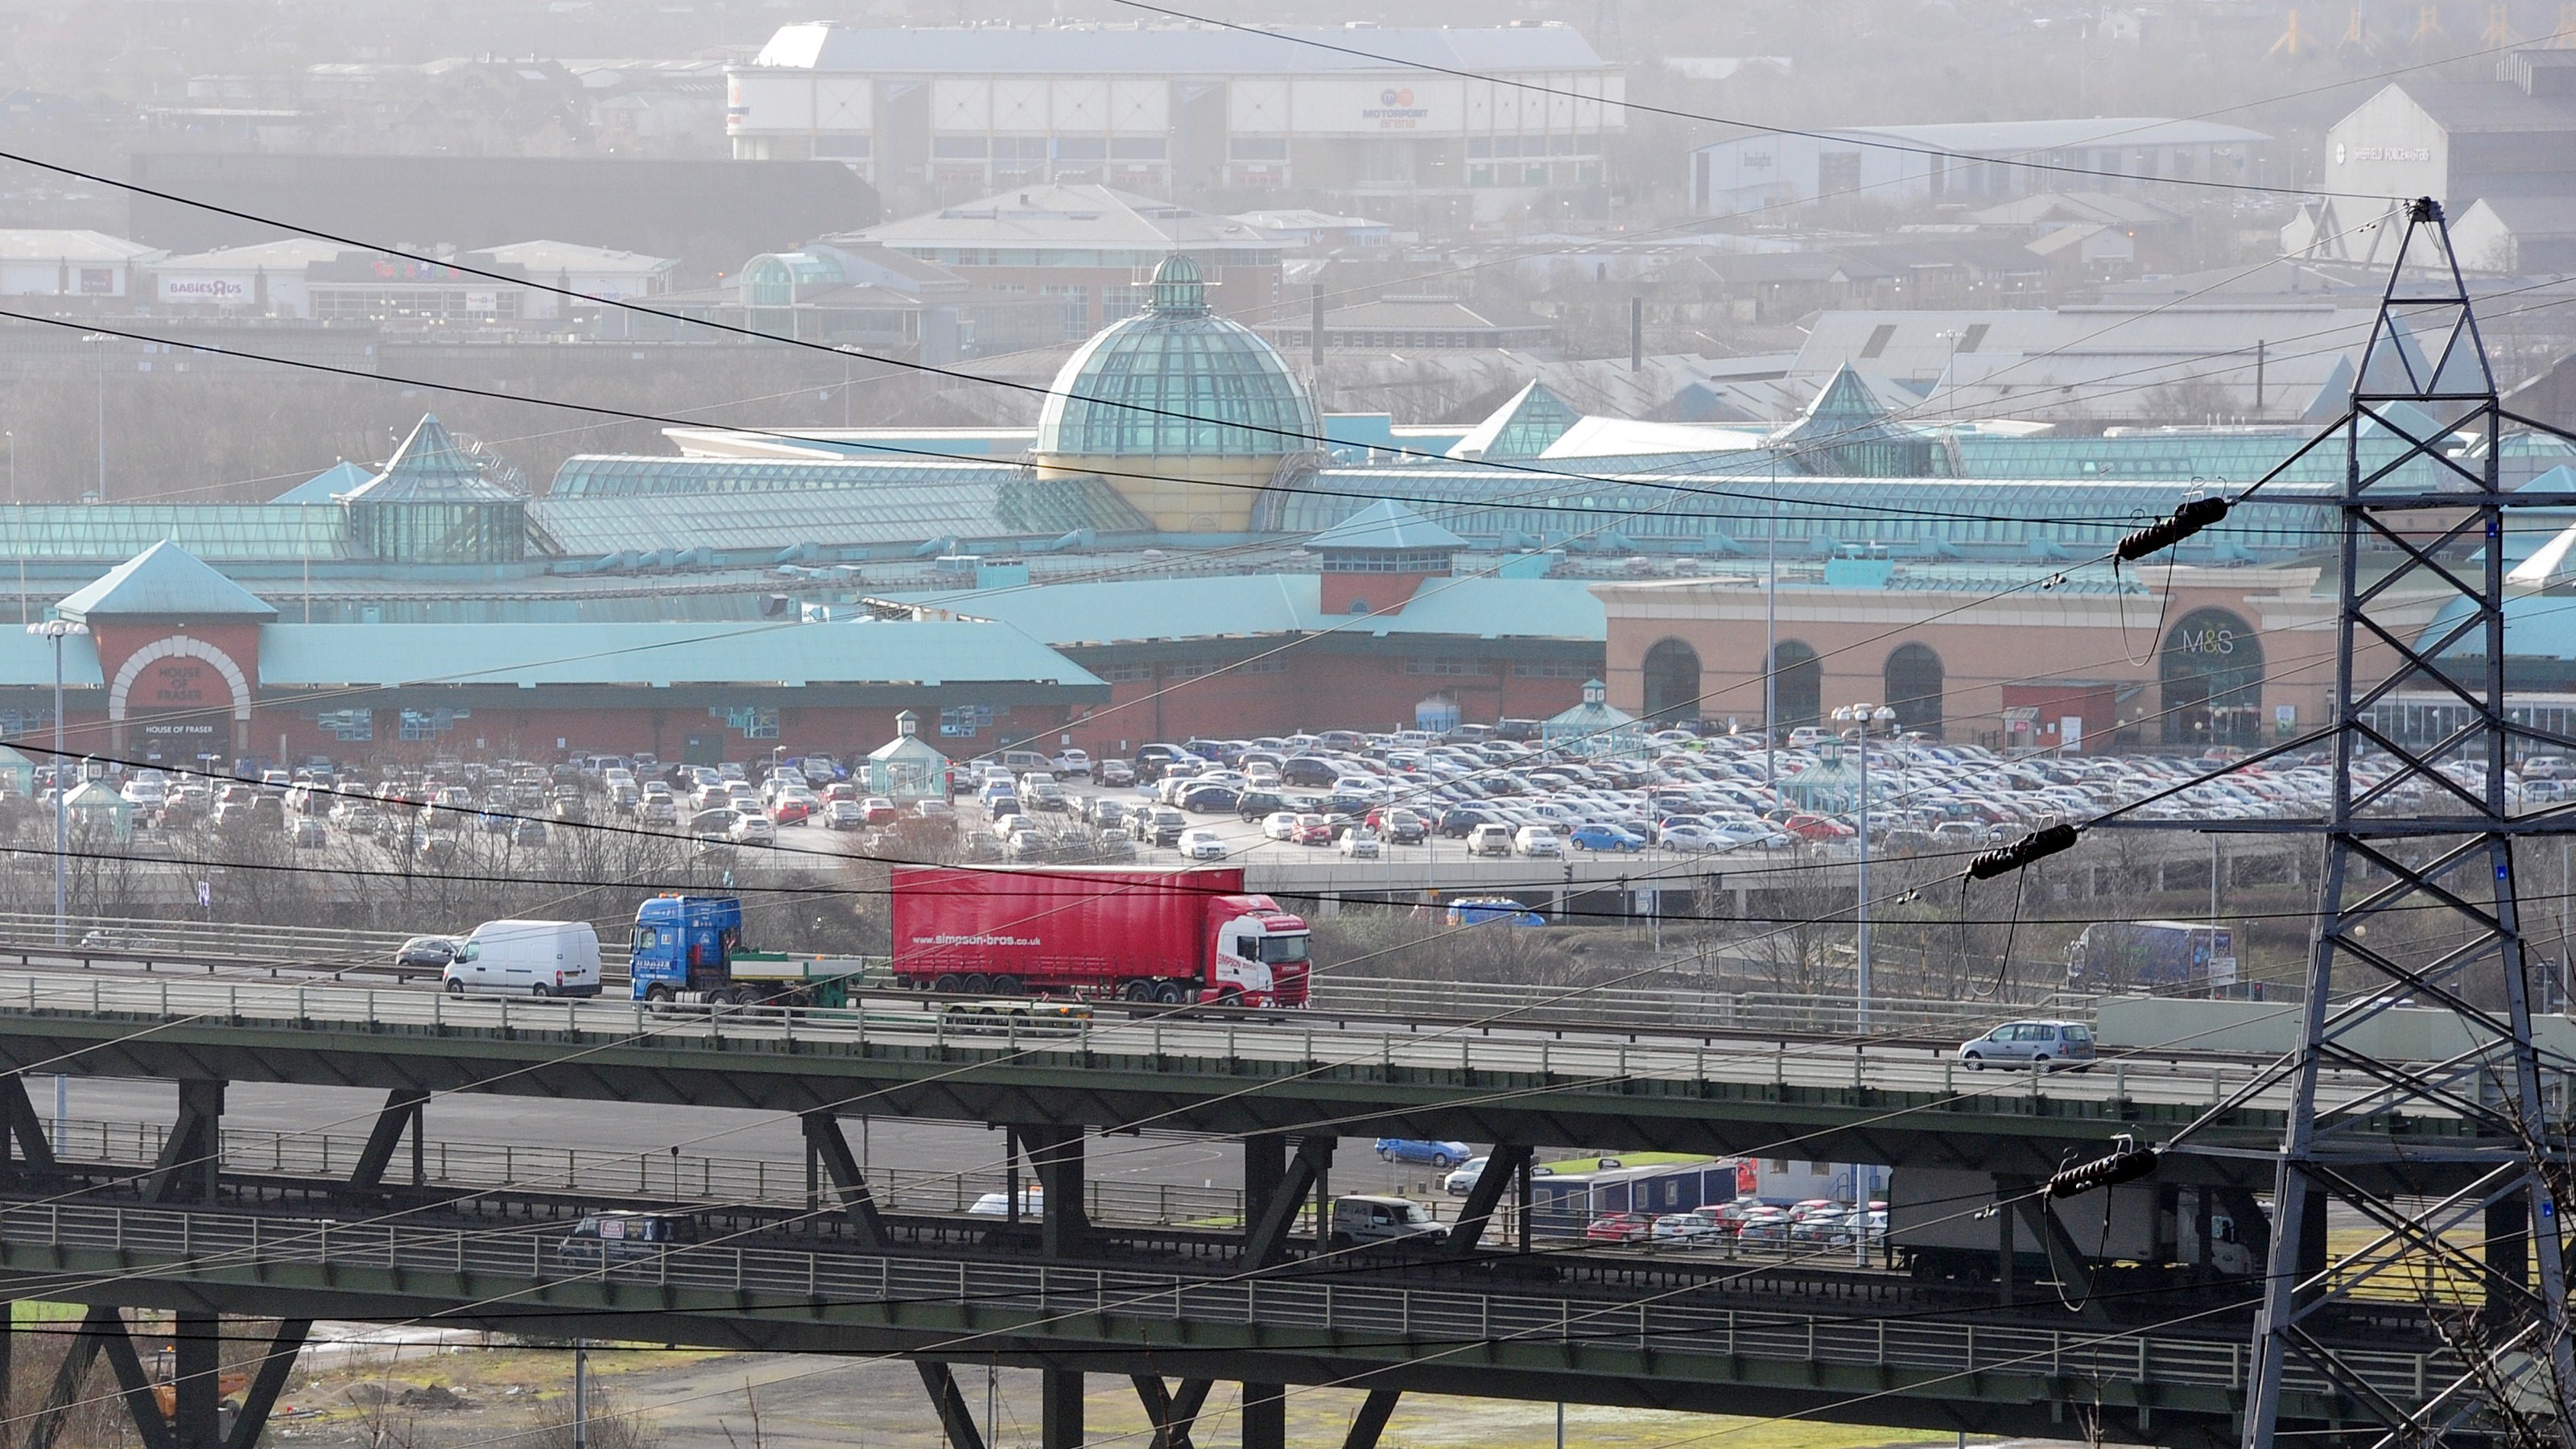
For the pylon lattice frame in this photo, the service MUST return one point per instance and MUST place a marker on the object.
(2439, 881)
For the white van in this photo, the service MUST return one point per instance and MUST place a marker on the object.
(527, 958)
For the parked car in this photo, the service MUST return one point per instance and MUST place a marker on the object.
(1442, 1155)
(1603, 837)
(2042, 1045)
(306, 833)
(1684, 1230)
(1463, 1181)
(1492, 838)
(1360, 845)
(1618, 1228)
(843, 815)
(1203, 844)
(1114, 774)
(1538, 842)
(752, 828)
(1280, 825)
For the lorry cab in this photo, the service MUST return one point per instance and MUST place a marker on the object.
(684, 944)
(1259, 951)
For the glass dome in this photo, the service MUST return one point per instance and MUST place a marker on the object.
(1176, 381)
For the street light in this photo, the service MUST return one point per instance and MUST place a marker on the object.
(1866, 718)
(58, 630)
(101, 339)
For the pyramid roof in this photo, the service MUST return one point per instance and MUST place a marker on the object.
(430, 468)
(168, 582)
(1390, 526)
(1520, 428)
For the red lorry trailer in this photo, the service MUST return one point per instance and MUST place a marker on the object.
(1167, 936)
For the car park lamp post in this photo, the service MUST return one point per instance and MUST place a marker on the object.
(58, 630)
(1866, 719)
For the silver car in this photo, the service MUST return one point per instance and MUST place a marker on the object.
(2041, 1045)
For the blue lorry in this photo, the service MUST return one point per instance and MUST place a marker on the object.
(2169, 958)
(688, 951)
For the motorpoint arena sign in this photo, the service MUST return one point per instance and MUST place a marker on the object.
(1395, 110)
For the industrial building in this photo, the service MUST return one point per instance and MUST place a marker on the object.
(1389, 117)
(1965, 161)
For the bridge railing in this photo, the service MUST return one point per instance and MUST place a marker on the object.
(1127, 1305)
(1713, 1010)
(698, 1181)
(1281, 1045)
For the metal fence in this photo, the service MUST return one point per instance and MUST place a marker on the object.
(1260, 1049)
(1135, 1308)
(658, 1176)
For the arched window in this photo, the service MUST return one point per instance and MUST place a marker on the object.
(1797, 685)
(1913, 680)
(2212, 676)
(1672, 681)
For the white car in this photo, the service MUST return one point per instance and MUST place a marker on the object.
(1538, 842)
(1073, 762)
(1202, 844)
(998, 1204)
(1281, 825)
(1359, 845)
(752, 828)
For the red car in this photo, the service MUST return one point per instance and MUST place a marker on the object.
(788, 812)
(1619, 1228)
(1311, 830)
(1816, 827)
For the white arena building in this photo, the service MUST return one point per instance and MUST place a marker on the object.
(1390, 118)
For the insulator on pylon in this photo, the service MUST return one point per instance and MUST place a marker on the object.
(2038, 845)
(2193, 516)
(2126, 1165)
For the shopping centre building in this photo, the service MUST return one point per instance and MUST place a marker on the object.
(1185, 544)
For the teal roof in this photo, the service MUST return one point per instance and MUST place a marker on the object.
(1249, 605)
(296, 656)
(28, 660)
(430, 468)
(1390, 526)
(168, 582)
(109, 533)
(322, 487)
(1520, 428)
(984, 503)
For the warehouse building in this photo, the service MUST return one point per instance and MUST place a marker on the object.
(1965, 161)
(1402, 118)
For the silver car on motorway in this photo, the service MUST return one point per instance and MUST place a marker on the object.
(2041, 1045)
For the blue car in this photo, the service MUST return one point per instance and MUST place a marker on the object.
(1604, 837)
(1485, 910)
(1442, 1155)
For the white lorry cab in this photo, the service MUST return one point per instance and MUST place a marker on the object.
(526, 958)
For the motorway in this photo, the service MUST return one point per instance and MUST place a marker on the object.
(1572, 1086)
